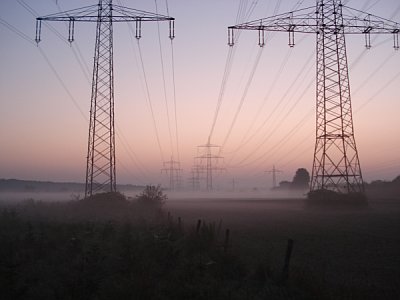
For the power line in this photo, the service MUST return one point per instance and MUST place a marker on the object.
(228, 66)
(47, 60)
(101, 167)
(336, 165)
(388, 83)
(241, 14)
(174, 89)
(377, 69)
(173, 169)
(306, 68)
(149, 102)
(164, 84)
(62, 83)
(209, 162)
(244, 95)
(274, 171)
(57, 75)
(174, 97)
(17, 31)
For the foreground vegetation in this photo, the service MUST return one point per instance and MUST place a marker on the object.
(108, 247)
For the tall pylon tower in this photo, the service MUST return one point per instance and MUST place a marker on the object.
(195, 177)
(209, 162)
(336, 164)
(173, 169)
(100, 164)
(274, 171)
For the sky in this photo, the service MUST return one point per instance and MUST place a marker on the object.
(45, 94)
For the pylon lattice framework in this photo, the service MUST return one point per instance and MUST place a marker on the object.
(100, 166)
(173, 169)
(274, 171)
(208, 162)
(194, 180)
(336, 164)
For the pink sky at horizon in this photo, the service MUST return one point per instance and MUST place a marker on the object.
(44, 133)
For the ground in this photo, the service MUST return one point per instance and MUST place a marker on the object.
(336, 252)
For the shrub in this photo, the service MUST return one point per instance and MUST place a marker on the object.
(152, 196)
(330, 198)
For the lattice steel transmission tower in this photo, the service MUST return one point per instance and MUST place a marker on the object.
(274, 171)
(173, 169)
(100, 166)
(209, 162)
(336, 164)
(195, 177)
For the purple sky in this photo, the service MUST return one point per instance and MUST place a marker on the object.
(43, 124)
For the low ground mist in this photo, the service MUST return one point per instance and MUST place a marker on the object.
(337, 253)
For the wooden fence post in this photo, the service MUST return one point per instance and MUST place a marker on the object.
(226, 242)
(285, 270)
(198, 226)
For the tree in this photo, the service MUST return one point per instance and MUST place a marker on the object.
(152, 196)
(301, 179)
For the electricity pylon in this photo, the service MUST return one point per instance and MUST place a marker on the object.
(172, 168)
(274, 171)
(336, 164)
(100, 164)
(194, 180)
(209, 162)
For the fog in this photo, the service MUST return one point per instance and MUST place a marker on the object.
(14, 197)
(172, 195)
(338, 253)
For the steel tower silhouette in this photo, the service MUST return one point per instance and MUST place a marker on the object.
(100, 165)
(336, 164)
(274, 171)
(208, 162)
(173, 169)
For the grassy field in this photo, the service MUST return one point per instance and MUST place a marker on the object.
(106, 249)
(337, 254)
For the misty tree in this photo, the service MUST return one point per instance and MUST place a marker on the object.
(301, 179)
(152, 196)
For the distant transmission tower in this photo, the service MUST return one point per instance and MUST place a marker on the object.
(173, 169)
(209, 162)
(195, 177)
(100, 166)
(274, 171)
(336, 164)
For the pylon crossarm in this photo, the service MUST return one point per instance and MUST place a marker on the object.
(129, 14)
(302, 20)
(356, 21)
(90, 14)
(87, 11)
(306, 21)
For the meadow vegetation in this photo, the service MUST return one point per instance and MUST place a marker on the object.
(113, 247)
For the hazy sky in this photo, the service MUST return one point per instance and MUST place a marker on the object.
(45, 94)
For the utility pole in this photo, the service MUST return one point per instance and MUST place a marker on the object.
(209, 162)
(100, 164)
(195, 177)
(274, 172)
(336, 163)
(172, 168)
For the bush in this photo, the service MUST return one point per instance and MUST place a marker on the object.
(152, 196)
(330, 198)
(106, 198)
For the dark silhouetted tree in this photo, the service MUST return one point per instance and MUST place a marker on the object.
(152, 196)
(301, 179)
